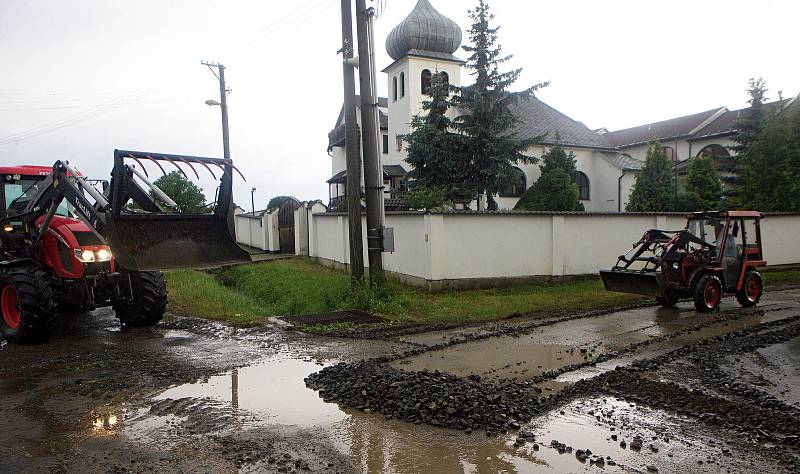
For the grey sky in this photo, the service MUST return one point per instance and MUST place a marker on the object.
(133, 69)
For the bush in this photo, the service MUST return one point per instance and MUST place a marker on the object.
(553, 191)
(424, 199)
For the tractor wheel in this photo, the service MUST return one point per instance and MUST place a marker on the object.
(669, 300)
(707, 293)
(26, 301)
(752, 289)
(149, 300)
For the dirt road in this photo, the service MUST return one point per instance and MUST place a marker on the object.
(642, 390)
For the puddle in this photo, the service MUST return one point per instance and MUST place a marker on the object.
(274, 389)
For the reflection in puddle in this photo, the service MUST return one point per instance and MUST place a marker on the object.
(275, 389)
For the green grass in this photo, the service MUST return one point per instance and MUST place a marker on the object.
(247, 294)
(781, 277)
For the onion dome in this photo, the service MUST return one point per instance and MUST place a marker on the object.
(424, 32)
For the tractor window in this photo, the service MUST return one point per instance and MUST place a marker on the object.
(18, 193)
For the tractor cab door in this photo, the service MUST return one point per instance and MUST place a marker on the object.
(731, 260)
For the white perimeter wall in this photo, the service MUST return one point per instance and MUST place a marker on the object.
(440, 247)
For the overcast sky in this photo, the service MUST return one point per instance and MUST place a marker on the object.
(82, 77)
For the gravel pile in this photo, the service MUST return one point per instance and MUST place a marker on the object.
(434, 398)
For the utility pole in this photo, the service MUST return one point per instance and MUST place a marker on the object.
(351, 147)
(373, 170)
(223, 105)
(226, 148)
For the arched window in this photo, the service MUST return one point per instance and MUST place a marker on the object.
(445, 78)
(583, 185)
(394, 88)
(426, 80)
(515, 186)
(402, 84)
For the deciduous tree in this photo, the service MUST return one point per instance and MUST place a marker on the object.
(187, 195)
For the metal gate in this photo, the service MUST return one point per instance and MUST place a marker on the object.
(286, 225)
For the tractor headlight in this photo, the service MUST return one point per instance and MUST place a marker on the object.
(84, 256)
(103, 255)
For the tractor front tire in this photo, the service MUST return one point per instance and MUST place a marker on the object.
(707, 293)
(146, 302)
(752, 289)
(27, 304)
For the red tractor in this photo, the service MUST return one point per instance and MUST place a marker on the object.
(717, 253)
(65, 245)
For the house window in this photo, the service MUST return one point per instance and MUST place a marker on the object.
(671, 155)
(426, 80)
(583, 185)
(385, 144)
(402, 84)
(399, 140)
(445, 78)
(394, 88)
(515, 186)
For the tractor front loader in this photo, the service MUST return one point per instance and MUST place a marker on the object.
(717, 253)
(66, 245)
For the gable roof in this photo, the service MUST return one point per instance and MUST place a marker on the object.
(664, 130)
(726, 123)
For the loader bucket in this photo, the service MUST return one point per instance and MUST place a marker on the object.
(151, 239)
(640, 283)
(172, 241)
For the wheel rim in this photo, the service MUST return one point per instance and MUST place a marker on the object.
(8, 303)
(712, 294)
(753, 288)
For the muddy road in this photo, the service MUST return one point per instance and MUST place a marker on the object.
(642, 390)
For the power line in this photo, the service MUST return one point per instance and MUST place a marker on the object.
(287, 28)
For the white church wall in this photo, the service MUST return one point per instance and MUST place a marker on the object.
(483, 249)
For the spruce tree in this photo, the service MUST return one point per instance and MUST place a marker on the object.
(654, 190)
(769, 174)
(703, 183)
(435, 150)
(555, 190)
(748, 127)
(487, 123)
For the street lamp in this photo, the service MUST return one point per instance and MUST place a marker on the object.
(212, 102)
(253, 200)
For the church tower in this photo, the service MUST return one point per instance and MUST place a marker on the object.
(421, 45)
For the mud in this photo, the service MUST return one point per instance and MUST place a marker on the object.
(637, 390)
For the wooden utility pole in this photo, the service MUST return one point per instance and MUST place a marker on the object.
(351, 147)
(373, 170)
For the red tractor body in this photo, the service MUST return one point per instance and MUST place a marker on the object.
(717, 253)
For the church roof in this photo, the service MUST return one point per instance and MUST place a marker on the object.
(424, 32)
(678, 127)
(537, 118)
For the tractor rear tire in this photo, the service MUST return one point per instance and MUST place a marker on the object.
(707, 293)
(149, 301)
(27, 304)
(752, 289)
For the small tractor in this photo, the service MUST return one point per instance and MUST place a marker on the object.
(717, 253)
(66, 245)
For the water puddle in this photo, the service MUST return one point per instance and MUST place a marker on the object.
(274, 389)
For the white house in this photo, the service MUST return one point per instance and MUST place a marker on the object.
(607, 162)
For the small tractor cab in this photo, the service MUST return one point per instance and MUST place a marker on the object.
(717, 253)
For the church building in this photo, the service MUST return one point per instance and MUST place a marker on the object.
(426, 42)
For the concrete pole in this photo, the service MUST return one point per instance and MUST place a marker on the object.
(373, 171)
(352, 148)
(223, 101)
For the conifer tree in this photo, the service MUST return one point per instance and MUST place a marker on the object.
(555, 190)
(654, 190)
(435, 150)
(703, 184)
(487, 123)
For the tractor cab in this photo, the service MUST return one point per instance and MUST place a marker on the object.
(735, 237)
(716, 253)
